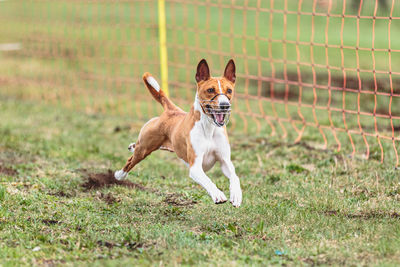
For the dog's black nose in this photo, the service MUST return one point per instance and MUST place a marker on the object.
(224, 105)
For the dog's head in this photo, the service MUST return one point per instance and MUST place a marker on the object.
(215, 93)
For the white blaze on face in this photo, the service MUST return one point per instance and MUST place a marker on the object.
(221, 98)
(219, 87)
(219, 116)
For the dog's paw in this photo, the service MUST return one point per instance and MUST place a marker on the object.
(218, 196)
(236, 196)
(131, 147)
(120, 175)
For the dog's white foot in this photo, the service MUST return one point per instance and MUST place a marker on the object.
(218, 196)
(236, 196)
(131, 147)
(120, 175)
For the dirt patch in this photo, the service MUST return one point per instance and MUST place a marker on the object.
(8, 171)
(331, 212)
(128, 245)
(323, 260)
(178, 200)
(61, 194)
(107, 244)
(51, 263)
(363, 215)
(106, 179)
(374, 215)
(108, 198)
(50, 221)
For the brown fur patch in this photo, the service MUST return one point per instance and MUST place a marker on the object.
(203, 86)
(181, 137)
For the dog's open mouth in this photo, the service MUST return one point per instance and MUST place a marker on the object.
(219, 118)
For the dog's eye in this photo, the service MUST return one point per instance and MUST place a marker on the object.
(210, 90)
(229, 91)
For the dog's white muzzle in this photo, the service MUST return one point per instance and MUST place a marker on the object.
(217, 113)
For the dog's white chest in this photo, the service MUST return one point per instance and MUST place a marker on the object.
(210, 152)
(208, 143)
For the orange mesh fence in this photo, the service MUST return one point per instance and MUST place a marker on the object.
(82, 54)
(322, 71)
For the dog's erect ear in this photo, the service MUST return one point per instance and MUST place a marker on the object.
(203, 71)
(230, 70)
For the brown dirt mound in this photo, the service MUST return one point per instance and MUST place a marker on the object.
(8, 171)
(108, 198)
(50, 221)
(129, 245)
(61, 194)
(364, 215)
(99, 180)
(178, 200)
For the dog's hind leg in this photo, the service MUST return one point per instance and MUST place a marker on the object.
(132, 146)
(141, 151)
(150, 139)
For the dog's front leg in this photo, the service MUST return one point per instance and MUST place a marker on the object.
(234, 188)
(198, 175)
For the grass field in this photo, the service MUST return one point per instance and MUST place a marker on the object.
(90, 55)
(71, 100)
(73, 51)
(301, 205)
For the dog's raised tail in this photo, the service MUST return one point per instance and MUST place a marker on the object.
(157, 92)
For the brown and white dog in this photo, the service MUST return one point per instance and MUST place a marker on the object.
(199, 137)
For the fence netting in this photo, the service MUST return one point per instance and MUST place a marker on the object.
(322, 71)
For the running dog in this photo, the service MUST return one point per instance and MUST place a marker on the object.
(198, 137)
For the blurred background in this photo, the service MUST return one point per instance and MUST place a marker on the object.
(321, 71)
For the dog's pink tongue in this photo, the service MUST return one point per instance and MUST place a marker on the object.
(219, 118)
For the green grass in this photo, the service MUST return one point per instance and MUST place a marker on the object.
(91, 55)
(302, 206)
(72, 100)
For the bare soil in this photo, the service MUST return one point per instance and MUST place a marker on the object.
(7, 171)
(106, 179)
(178, 200)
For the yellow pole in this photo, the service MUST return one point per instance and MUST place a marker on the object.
(163, 46)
